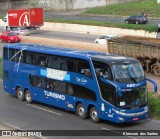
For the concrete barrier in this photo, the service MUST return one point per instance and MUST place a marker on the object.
(96, 30)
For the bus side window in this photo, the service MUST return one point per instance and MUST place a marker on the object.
(29, 59)
(83, 67)
(5, 53)
(42, 60)
(67, 64)
(54, 62)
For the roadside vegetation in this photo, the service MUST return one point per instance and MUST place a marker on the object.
(154, 106)
(150, 7)
(146, 27)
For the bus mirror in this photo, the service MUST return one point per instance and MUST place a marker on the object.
(154, 83)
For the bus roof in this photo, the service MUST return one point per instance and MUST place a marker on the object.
(70, 52)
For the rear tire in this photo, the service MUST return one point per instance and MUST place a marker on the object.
(94, 115)
(20, 94)
(80, 111)
(28, 97)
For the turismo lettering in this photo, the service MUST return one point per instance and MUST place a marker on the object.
(54, 95)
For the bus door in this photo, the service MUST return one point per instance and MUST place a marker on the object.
(107, 89)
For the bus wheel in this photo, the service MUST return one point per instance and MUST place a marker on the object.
(94, 115)
(20, 94)
(81, 111)
(28, 96)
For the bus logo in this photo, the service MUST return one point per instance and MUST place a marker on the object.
(81, 80)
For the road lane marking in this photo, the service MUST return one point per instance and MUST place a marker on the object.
(118, 133)
(45, 109)
(13, 126)
(21, 129)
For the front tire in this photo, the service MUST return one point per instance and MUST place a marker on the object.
(94, 115)
(80, 110)
(28, 97)
(20, 94)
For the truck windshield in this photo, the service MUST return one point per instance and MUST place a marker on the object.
(128, 72)
(133, 98)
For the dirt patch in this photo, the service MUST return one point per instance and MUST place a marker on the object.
(66, 43)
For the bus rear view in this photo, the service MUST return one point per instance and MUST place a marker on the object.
(92, 84)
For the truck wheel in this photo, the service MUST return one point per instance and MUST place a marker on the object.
(28, 96)
(81, 111)
(156, 70)
(20, 94)
(94, 115)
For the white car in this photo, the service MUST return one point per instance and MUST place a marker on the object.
(104, 38)
(21, 31)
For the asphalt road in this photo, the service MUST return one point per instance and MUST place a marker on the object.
(64, 35)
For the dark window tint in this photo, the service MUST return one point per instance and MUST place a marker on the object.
(6, 53)
(29, 58)
(83, 92)
(83, 67)
(6, 75)
(108, 92)
(54, 62)
(42, 60)
(62, 87)
(67, 64)
(102, 70)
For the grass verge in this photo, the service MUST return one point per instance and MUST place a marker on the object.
(150, 7)
(146, 27)
(154, 106)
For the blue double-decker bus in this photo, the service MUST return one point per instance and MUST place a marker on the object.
(93, 84)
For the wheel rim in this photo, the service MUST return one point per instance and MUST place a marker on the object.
(81, 111)
(94, 115)
(28, 97)
(19, 94)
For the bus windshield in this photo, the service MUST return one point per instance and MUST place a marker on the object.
(133, 98)
(128, 72)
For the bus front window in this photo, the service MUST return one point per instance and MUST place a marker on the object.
(128, 72)
(132, 98)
